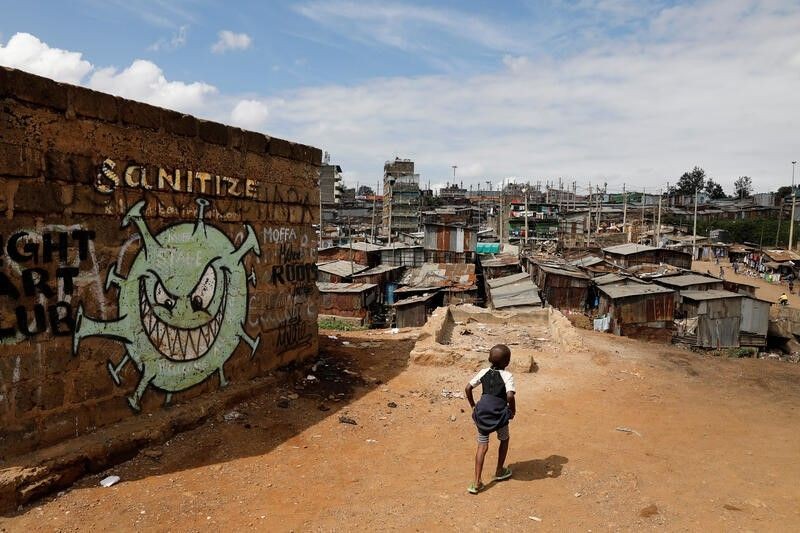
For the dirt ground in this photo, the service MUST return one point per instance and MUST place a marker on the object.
(620, 435)
(766, 291)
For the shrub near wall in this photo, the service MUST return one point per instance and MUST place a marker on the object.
(147, 257)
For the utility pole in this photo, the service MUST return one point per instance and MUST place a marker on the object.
(374, 198)
(589, 214)
(526, 216)
(641, 231)
(658, 224)
(794, 200)
(597, 204)
(780, 216)
(624, 209)
(350, 231)
(694, 232)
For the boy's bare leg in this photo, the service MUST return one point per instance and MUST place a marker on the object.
(480, 455)
(501, 457)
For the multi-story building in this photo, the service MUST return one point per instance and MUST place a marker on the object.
(330, 176)
(401, 197)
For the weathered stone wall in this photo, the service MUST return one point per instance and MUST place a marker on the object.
(147, 257)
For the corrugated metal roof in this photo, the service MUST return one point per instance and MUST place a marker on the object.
(500, 260)
(521, 293)
(505, 280)
(781, 256)
(564, 272)
(380, 269)
(636, 289)
(344, 287)
(361, 246)
(587, 261)
(605, 279)
(414, 299)
(434, 275)
(713, 294)
(628, 249)
(687, 280)
(340, 268)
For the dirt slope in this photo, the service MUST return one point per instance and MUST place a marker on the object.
(714, 446)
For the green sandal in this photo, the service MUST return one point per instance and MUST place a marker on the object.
(475, 489)
(506, 475)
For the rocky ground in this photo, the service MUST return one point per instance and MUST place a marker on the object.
(614, 435)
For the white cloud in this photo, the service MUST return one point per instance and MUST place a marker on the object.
(403, 26)
(229, 40)
(709, 84)
(26, 52)
(177, 40)
(144, 81)
(249, 114)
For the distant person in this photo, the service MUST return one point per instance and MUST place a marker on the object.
(722, 272)
(791, 286)
(493, 412)
(783, 300)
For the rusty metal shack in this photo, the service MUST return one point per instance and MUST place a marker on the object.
(382, 276)
(449, 243)
(347, 300)
(414, 311)
(639, 310)
(629, 255)
(499, 265)
(516, 292)
(710, 319)
(457, 280)
(755, 322)
(561, 287)
(363, 253)
(401, 254)
(593, 265)
(740, 287)
(337, 271)
(690, 282)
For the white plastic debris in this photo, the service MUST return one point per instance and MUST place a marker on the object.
(535, 518)
(395, 331)
(371, 441)
(311, 377)
(332, 337)
(110, 480)
(233, 415)
(345, 342)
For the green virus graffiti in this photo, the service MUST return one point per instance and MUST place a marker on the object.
(182, 306)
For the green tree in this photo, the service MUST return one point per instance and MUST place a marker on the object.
(714, 190)
(743, 187)
(365, 190)
(689, 182)
(781, 193)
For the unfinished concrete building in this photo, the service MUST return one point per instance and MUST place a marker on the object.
(401, 197)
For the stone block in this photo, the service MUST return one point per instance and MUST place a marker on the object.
(179, 124)
(93, 104)
(138, 114)
(20, 161)
(33, 89)
(280, 147)
(213, 132)
(257, 143)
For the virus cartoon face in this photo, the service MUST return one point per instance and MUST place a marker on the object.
(182, 305)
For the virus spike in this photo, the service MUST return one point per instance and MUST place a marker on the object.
(134, 215)
(250, 341)
(112, 278)
(200, 225)
(250, 243)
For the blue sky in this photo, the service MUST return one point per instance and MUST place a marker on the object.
(601, 91)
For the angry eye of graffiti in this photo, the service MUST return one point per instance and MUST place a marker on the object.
(162, 297)
(204, 291)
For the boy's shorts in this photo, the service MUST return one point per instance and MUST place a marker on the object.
(502, 434)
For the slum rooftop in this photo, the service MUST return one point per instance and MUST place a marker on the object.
(636, 289)
(628, 249)
(687, 280)
(340, 268)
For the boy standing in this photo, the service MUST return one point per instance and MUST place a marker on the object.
(493, 411)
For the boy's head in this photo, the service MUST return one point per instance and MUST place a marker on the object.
(500, 356)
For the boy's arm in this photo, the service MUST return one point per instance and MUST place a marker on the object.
(512, 403)
(468, 393)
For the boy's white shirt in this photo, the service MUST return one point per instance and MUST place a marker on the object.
(508, 379)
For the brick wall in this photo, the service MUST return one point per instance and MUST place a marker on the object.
(147, 257)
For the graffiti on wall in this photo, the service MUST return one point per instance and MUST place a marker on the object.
(279, 200)
(182, 305)
(41, 266)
